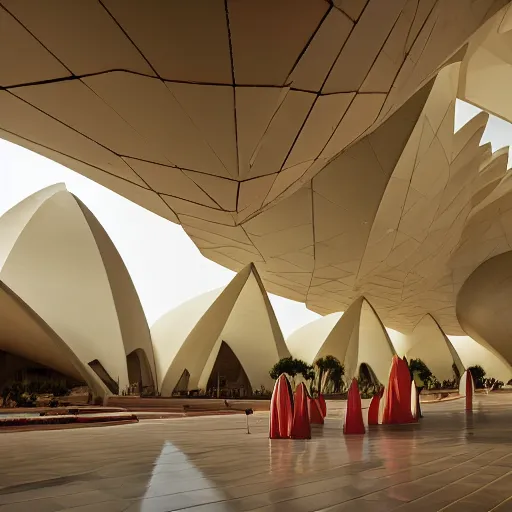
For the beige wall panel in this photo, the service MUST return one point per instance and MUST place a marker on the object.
(224, 192)
(360, 114)
(312, 69)
(171, 181)
(272, 150)
(254, 191)
(284, 241)
(321, 123)
(286, 179)
(212, 110)
(199, 211)
(352, 8)
(383, 72)
(187, 42)
(81, 34)
(153, 111)
(360, 51)
(294, 211)
(20, 118)
(213, 240)
(17, 46)
(269, 36)
(255, 108)
(235, 233)
(77, 106)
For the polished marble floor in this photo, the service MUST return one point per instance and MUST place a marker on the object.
(451, 462)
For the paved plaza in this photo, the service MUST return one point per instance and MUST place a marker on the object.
(451, 462)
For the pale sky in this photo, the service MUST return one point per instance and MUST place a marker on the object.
(166, 267)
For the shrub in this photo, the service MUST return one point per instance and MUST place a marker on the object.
(492, 384)
(292, 367)
(330, 371)
(432, 383)
(478, 374)
(417, 365)
(450, 384)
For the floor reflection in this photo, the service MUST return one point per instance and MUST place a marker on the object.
(452, 459)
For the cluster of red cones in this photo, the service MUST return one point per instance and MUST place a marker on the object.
(292, 414)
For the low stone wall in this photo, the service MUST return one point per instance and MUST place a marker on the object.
(132, 403)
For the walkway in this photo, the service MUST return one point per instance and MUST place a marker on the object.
(451, 463)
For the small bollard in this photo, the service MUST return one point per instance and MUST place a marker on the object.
(247, 413)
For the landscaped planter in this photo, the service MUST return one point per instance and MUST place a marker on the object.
(63, 420)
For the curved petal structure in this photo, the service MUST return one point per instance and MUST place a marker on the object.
(60, 261)
(483, 305)
(354, 337)
(430, 344)
(24, 333)
(474, 353)
(240, 315)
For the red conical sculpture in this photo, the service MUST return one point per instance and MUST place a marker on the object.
(469, 391)
(281, 409)
(354, 416)
(315, 414)
(398, 401)
(301, 428)
(322, 404)
(373, 410)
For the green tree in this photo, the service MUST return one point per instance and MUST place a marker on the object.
(328, 369)
(292, 367)
(417, 365)
(478, 374)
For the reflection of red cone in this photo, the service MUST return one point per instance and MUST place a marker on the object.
(354, 415)
(398, 400)
(322, 404)
(301, 428)
(373, 410)
(281, 409)
(469, 391)
(315, 414)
